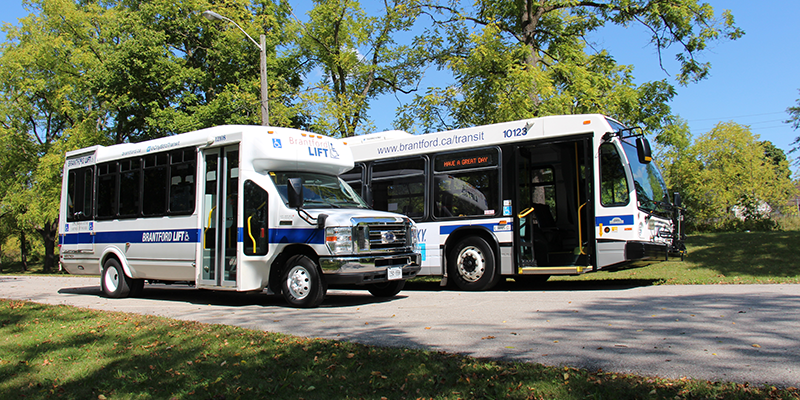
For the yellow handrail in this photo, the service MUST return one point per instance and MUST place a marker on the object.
(525, 212)
(208, 226)
(250, 233)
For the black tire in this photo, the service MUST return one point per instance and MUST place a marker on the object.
(137, 287)
(386, 289)
(302, 284)
(472, 265)
(114, 282)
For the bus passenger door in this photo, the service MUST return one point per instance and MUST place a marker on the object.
(550, 207)
(220, 231)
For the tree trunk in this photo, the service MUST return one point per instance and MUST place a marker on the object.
(23, 250)
(1, 256)
(48, 233)
(531, 15)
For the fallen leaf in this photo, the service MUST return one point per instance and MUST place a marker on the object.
(756, 346)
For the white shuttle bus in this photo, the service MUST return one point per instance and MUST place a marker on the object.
(237, 208)
(560, 195)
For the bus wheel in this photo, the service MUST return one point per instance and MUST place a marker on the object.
(302, 284)
(472, 265)
(114, 282)
(386, 289)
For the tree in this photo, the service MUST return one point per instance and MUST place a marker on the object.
(794, 119)
(732, 172)
(85, 72)
(359, 60)
(528, 58)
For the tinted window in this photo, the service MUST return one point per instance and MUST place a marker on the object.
(466, 184)
(80, 185)
(613, 183)
(399, 186)
(255, 219)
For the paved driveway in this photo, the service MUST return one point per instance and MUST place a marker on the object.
(739, 333)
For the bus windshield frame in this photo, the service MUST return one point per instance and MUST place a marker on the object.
(319, 190)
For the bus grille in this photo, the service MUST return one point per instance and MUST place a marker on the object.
(382, 236)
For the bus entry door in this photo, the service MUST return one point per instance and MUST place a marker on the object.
(550, 213)
(220, 231)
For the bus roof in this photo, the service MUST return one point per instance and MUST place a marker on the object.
(391, 144)
(266, 147)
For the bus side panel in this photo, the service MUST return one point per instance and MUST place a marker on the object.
(429, 245)
(163, 253)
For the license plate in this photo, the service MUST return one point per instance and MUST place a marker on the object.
(395, 273)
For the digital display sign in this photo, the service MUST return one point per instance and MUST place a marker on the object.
(473, 159)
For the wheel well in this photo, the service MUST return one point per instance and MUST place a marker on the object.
(276, 269)
(113, 255)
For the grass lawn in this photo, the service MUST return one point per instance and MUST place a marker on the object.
(714, 258)
(65, 352)
(49, 352)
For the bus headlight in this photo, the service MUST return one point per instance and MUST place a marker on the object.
(412, 236)
(339, 239)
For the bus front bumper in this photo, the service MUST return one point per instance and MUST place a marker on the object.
(362, 270)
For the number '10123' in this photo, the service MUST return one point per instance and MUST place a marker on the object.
(515, 132)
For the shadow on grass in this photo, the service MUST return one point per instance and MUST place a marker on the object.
(765, 254)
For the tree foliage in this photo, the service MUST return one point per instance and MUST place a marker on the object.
(85, 72)
(359, 58)
(794, 119)
(729, 178)
(520, 59)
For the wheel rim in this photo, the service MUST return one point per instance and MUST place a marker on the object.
(471, 264)
(298, 282)
(111, 279)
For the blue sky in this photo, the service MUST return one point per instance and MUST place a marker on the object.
(753, 79)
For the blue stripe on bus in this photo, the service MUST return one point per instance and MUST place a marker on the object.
(448, 229)
(276, 235)
(614, 220)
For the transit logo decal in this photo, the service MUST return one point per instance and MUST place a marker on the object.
(165, 236)
(614, 220)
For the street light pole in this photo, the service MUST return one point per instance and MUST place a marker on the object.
(262, 47)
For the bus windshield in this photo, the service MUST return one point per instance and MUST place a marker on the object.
(319, 190)
(651, 191)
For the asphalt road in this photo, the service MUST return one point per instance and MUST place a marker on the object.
(737, 333)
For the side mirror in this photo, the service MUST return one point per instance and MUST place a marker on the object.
(643, 150)
(294, 190)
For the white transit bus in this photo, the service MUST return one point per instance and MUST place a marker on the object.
(560, 195)
(238, 208)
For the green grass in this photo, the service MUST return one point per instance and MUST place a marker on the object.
(720, 258)
(66, 352)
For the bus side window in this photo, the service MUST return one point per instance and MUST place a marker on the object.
(256, 241)
(155, 184)
(466, 183)
(399, 186)
(182, 183)
(613, 182)
(107, 190)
